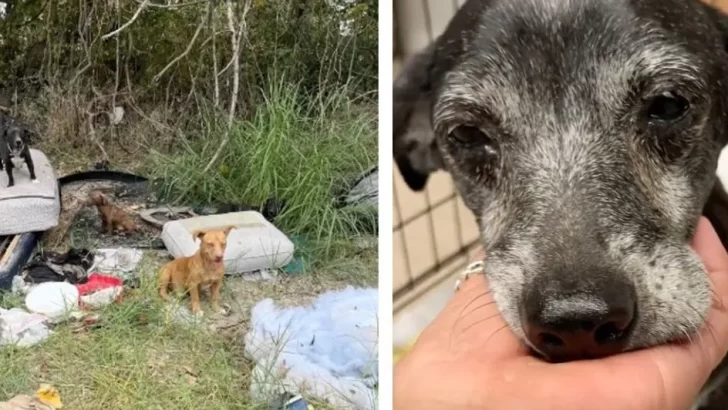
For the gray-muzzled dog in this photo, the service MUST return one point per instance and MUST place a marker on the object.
(584, 135)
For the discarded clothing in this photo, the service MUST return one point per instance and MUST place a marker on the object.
(19, 286)
(98, 282)
(100, 290)
(50, 266)
(119, 262)
(20, 328)
(102, 297)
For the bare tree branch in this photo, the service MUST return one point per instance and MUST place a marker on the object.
(216, 100)
(131, 21)
(118, 60)
(175, 6)
(189, 46)
(236, 36)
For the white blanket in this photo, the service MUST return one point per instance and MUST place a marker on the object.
(327, 350)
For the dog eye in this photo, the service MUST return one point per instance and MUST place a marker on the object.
(667, 107)
(465, 134)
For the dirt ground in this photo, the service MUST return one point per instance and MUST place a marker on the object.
(80, 226)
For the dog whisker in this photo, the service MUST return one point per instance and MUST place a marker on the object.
(494, 333)
(482, 295)
(545, 163)
(479, 322)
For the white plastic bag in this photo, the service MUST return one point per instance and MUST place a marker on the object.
(21, 328)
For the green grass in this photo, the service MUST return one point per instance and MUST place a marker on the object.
(136, 359)
(301, 153)
(133, 360)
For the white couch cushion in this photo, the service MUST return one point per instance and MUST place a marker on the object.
(252, 245)
(27, 206)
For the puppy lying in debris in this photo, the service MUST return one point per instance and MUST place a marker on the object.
(112, 217)
(205, 267)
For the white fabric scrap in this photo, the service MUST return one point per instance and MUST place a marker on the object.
(120, 262)
(102, 297)
(20, 328)
(20, 286)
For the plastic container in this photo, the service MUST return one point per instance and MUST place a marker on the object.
(253, 243)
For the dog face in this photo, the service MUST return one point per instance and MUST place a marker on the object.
(96, 198)
(584, 135)
(15, 139)
(213, 244)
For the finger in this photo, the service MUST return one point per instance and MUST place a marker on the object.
(708, 245)
(666, 377)
(685, 368)
(713, 338)
(475, 324)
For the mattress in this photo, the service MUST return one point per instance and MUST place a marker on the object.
(27, 206)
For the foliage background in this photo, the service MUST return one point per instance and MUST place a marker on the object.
(291, 115)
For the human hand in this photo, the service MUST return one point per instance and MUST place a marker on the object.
(469, 359)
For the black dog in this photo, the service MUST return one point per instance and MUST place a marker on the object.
(14, 146)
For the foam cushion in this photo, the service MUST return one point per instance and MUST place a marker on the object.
(253, 244)
(28, 206)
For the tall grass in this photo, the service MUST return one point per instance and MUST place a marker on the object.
(301, 149)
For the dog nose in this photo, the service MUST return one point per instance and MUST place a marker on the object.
(580, 325)
(18, 143)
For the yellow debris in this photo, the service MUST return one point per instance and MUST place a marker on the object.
(48, 394)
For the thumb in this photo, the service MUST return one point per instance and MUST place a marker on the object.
(713, 338)
(473, 321)
(708, 245)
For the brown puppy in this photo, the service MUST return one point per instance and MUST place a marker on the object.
(203, 268)
(112, 217)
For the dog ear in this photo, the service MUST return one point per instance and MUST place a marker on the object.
(719, 20)
(199, 234)
(716, 210)
(29, 136)
(100, 198)
(227, 230)
(415, 148)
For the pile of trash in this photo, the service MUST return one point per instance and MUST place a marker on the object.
(62, 286)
